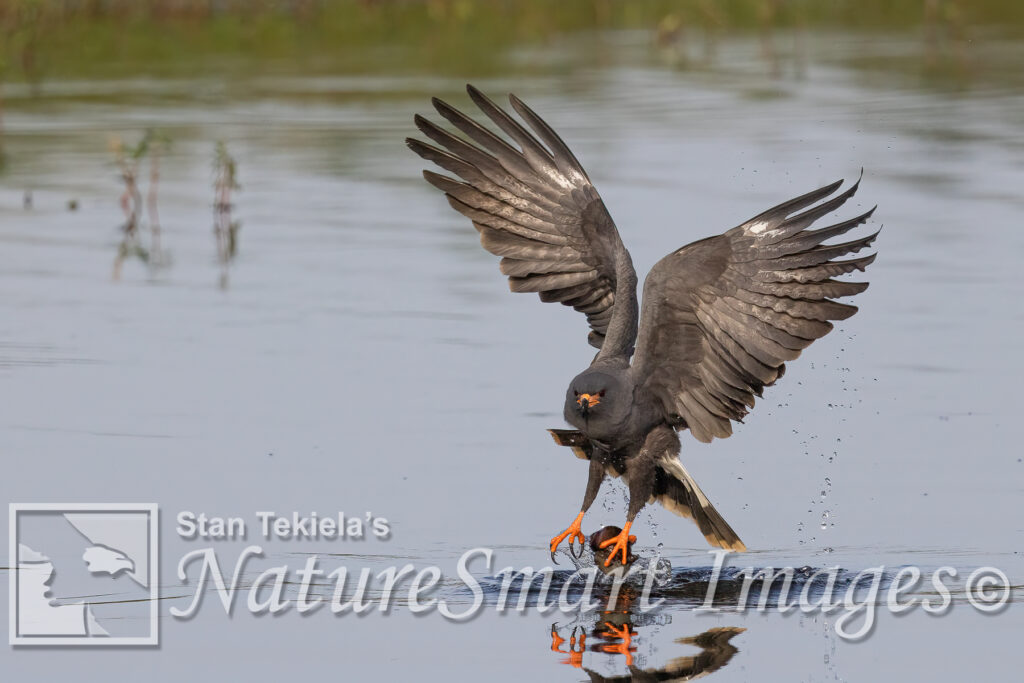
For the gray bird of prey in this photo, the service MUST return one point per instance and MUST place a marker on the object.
(720, 316)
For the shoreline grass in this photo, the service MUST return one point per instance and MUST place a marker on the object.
(66, 39)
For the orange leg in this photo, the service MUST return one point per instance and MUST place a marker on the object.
(556, 641)
(625, 647)
(575, 657)
(573, 533)
(621, 543)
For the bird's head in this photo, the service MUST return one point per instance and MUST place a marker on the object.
(595, 396)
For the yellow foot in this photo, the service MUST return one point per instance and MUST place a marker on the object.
(620, 543)
(573, 533)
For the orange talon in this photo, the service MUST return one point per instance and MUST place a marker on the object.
(573, 533)
(575, 657)
(625, 647)
(621, 543)
(556, 641)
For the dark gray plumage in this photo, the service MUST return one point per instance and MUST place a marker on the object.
(720, 316)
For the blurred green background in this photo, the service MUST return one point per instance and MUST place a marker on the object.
(60, 39)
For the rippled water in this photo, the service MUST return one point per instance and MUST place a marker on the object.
(366, 355)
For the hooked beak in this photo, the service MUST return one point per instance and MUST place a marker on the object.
(586, 400)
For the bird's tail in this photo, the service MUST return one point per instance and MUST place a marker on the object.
(677, 492)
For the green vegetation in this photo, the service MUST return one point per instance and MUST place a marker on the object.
(128, 159)
(43, 39)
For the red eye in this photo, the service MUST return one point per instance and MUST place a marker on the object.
(601, 393)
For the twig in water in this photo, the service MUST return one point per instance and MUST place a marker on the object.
(225, 230)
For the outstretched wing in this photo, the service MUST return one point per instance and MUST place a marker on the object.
(721, 316)
(533, 205)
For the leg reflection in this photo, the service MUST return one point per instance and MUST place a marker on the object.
(617, 631)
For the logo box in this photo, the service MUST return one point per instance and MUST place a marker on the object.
(72, 562)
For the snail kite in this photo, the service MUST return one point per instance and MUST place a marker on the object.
(720, 316)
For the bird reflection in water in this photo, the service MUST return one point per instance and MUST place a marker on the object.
(615, 633)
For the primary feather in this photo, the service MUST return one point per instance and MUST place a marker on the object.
(534, 206)
(721, 316)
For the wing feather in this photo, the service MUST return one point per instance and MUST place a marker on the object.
(722, 316)
(533, 205)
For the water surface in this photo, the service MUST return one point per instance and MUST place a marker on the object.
(366, 355)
